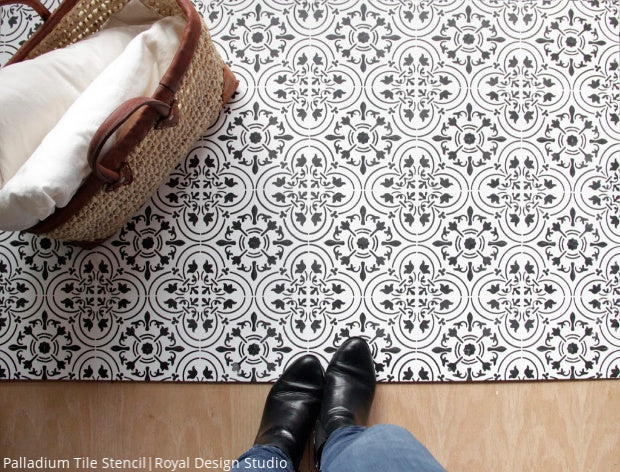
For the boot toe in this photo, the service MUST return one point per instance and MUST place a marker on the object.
(306, 370)
(348, 392)
(291, 408)
(354, 356)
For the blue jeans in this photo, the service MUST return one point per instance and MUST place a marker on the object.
(353, 449)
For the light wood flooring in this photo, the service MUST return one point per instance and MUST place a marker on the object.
(547, 426)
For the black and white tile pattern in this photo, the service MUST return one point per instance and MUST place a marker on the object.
(440, 177)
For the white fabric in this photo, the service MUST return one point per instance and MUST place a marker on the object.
(55, 170)
(36, 93)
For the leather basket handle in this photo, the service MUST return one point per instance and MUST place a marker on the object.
(43, 12)
(169, 116)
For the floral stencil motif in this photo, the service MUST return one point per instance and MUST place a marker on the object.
(417, 18)
(418, 84)
(309, 298)
(469, 39)
(571, 42)
(256, 137)
(148, 242)
(601, 299)
(418, 191)
(44, 347)
(599, 93)
(192, 374)
(606, 13)
(19, 22)
(257, 37)
(95, 297)
(18, 295)
(363, 137)
(521, 89)
(308, 189)
(597, 193)
(287, 87)
(202, 190)
(103, 372)
(572, 349)
(42, 255)
(333, 87)
(524, 192)
(469, 350)
(416, 299)
(572, 244)
(363, 37)
(255, 242)
(522, 16)
(254, 349)
(201, 296)
(522, 298)
(288, 296)
(309, 11)
(147, 348)
(572, 140)
(470, 243)
(469, 138)
(363, 243)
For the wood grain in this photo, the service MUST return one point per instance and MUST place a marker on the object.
(550, 426)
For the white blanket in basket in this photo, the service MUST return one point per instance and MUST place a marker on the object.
(52, 105)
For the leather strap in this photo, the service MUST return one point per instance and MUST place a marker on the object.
(172, 78)
(41, 33)
(134, 132)
(43, 12)
(169, 116)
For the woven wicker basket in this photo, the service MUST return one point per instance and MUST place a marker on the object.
(157, 131)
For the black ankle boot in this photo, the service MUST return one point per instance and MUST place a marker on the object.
(348, 392)
(291, 408)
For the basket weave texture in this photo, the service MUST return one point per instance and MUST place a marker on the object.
(88, 16)
(199, 100)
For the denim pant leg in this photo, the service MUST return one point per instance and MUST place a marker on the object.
(263, 459)
(382, 447)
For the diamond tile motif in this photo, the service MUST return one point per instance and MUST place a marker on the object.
(440, 177)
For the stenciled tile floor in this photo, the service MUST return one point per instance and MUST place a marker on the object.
(441, 177)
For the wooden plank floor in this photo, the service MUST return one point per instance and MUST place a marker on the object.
(549, 426)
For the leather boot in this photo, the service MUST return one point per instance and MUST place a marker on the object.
(291, 408)
(348, 392)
